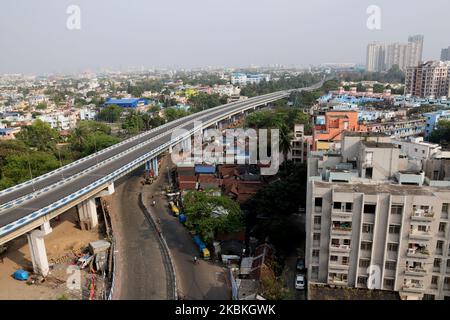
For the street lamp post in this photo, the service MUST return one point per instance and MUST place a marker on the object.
(95, 145)
(31, 174)
(60, 161)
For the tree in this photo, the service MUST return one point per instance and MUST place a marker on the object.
(441, 134)
(39, 135)
(111, 113)
(276, 202)
(133, 123)
(171, 114)
(199, 209)
(285, 141)
(41, 106)
(91, 136)
(273, 287)
(17, 167)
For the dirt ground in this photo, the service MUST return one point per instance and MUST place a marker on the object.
(62, 244)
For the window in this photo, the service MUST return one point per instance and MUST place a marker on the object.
(428, 297)
(366, 245)
(394, 228)
(362, 280)
(315, 270)
(390, 265)
(447, 280)
(422, 228)
(334, 258)
(369, 173)
(316, 236)
(317, 219)
(434, 280)
(396, 209)
(445, 207)
(345, 260)
(442, 226)
(437, 263)
(367, 228)
(318, 202)
(364, 263)
(370, 208)
(346, 242)
(393, 247)
(337, 205)
(315, 253)
(439, 245)
(348, 207)
(388, 282)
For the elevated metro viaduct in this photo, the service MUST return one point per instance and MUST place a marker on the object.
(28, 208)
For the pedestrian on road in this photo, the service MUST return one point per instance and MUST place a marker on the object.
(195, 260)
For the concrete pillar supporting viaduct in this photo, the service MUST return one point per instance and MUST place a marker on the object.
(87, 213)
(37, 249)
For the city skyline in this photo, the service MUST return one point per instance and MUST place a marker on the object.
(115, 35)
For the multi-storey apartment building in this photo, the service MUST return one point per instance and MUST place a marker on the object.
(445, 54)
(429, 79)
(301, 145)
(383, 56)
(378, 220)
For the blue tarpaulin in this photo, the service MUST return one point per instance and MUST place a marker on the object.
(199, 242)
(21, 275)
(182, 218)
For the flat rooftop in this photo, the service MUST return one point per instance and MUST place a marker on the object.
(383, 145)
(324, 292)
(365, 134)
(394, 189)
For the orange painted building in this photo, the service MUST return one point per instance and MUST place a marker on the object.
(329, 128)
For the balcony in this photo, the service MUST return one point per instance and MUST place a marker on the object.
(415, 272)
(413, 287)
(335, 266)
(340, 230)
(340, 248)
(341, 215)
(422, 215)
(418, 253)
(420, 235)
(337, 281)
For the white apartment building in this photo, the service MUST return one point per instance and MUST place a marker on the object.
(372, 212)
(88, 113)
(60, 120)
(239, 79)
(301, 145)
(429, 79)
(416, 148)
(383, 56)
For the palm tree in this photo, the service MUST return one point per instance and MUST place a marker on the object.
(285, 141)
(79, 136)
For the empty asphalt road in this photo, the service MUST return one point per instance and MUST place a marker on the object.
(140, 266)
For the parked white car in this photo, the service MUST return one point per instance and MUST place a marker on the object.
(300, 282)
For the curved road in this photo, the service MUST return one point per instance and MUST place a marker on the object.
(203, 281)
(140, 266)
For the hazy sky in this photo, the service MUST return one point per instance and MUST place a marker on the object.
(192, 33)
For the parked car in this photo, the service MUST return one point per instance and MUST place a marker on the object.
(300, 264)
(300, 282)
